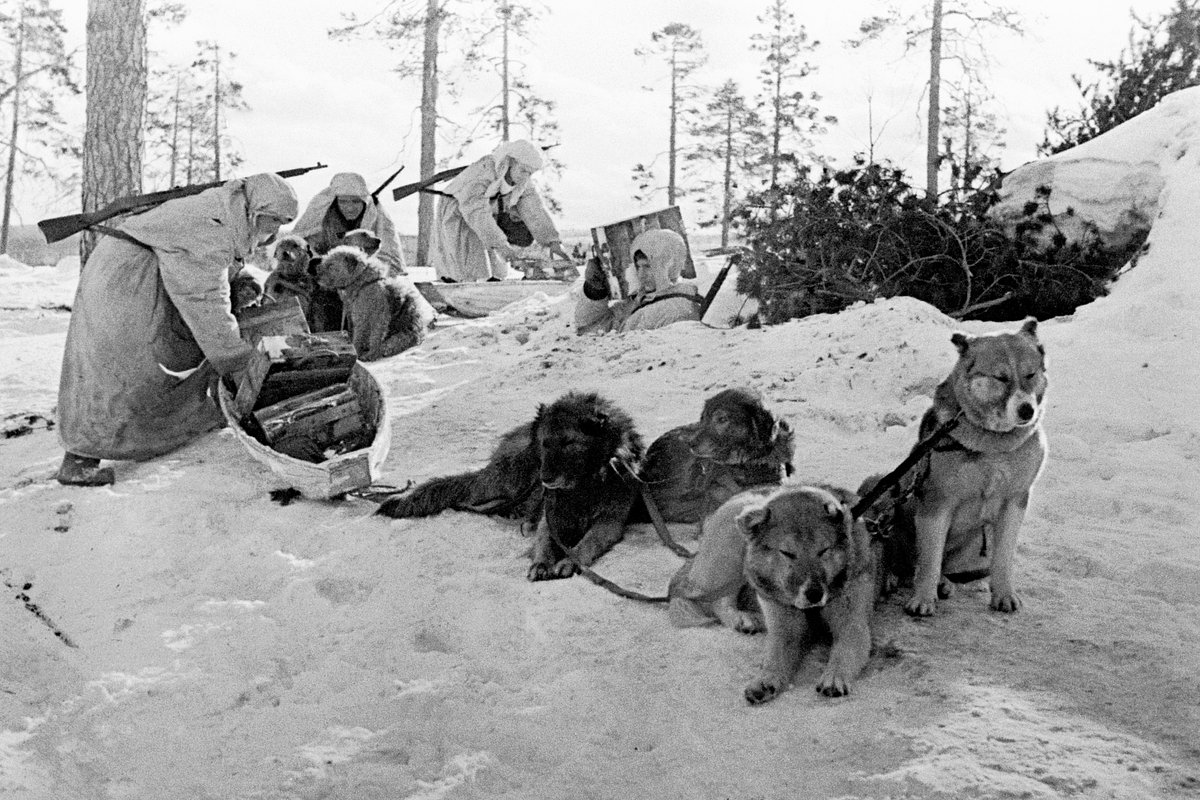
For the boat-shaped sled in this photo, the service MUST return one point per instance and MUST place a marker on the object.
(329, 401)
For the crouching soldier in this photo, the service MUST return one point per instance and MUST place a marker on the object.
(660, 299)
(151, 326)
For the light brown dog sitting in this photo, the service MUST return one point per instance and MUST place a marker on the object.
(969, 496)
(385, 316)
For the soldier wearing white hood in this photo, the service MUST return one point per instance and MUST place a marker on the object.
(468, 244)
(660, 298)
(151, 326)
(344, 205)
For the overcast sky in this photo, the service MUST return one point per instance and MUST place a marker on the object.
(312, 98)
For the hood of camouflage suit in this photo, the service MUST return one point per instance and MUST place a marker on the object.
(343, 184)
(221, 218)
(667, 252)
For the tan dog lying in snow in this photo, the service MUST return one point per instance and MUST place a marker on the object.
(812, 569)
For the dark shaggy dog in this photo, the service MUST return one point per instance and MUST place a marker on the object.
(737, 443)
(385, 316)
(559, 465)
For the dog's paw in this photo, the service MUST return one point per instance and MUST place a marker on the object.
(749, 622)
(920, 605)
(762, 691)
(946, 588)
(540, 571)
(1007, 602)
(566, 568)
(833, 684)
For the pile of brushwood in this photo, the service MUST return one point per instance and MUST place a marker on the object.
(864, 233)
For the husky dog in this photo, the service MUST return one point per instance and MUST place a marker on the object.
(963, 516)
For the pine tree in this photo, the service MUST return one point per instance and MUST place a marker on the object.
(790, 115)
(218, 95)
(116, 102)
(969, 132)
(681, 47)
(35, 69)
(421, 33)
(727, 134)
(956, 30)
(1163, 57)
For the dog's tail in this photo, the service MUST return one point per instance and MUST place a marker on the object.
(433, 496)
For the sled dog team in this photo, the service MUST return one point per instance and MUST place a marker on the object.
(774, 556)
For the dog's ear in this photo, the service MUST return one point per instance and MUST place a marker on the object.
(752, 518)
(1030, 327)
(961, 341)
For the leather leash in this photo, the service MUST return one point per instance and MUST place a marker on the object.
(892, 479)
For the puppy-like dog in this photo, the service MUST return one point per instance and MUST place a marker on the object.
(560, 466)
(737, 443)
(812, 568)
(290, 276)
(969, 500)
(385, 315)
(244, 291)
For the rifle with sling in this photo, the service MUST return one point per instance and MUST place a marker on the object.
(400, 192)
(384, 185)
(59, 228)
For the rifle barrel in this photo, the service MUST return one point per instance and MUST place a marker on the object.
(56, 229)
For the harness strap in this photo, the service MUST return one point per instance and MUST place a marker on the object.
(660, 525)
(600, 580)
(893, 477)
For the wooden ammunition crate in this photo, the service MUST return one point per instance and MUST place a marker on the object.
(613, 243)
(304, 362)
(274, 319)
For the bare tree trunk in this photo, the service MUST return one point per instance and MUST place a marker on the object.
(191, 152)
(671, 141)
(175, 136)
(18, 59)
(935, 102)
(116, 103)
(216, 112)
(506, 13)
(727, 202)
(429, 92)
(776, 126)
(967, 143)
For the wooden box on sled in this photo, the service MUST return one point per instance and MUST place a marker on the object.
(319, 419)
(612, 243)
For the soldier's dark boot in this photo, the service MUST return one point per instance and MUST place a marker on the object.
(83, 471)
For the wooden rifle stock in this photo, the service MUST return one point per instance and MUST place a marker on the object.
(384, 185)
(58, 228)
(400, 192)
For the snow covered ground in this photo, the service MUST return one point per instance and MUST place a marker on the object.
(222, 645)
